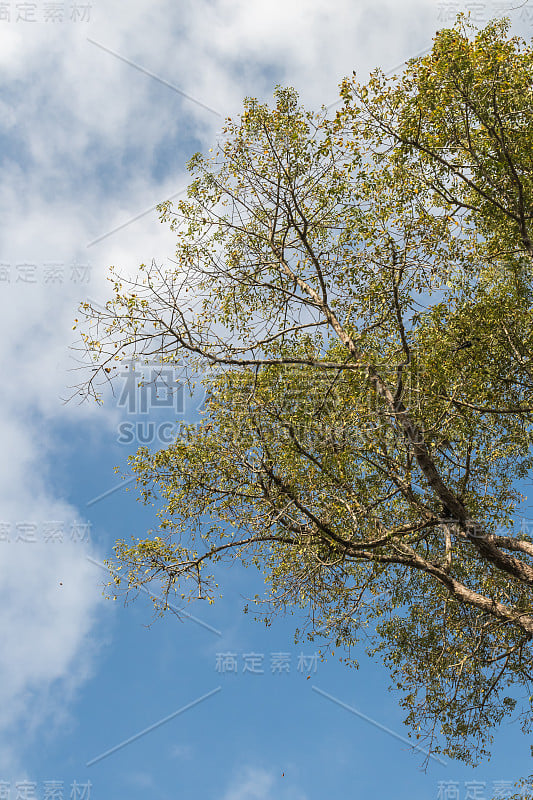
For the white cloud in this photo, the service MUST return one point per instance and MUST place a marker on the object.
(49, 601)
(252, 784)
(256, 783)
(181, 751)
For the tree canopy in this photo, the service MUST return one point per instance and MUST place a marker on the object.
(354, 290)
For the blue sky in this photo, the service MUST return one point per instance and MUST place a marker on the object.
(98, 116)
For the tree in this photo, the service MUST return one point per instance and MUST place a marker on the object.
(355, 293)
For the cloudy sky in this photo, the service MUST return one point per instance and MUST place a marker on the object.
(101, 106)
